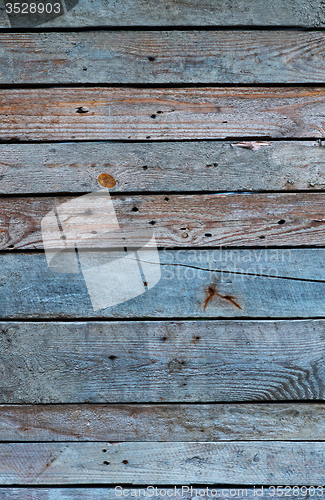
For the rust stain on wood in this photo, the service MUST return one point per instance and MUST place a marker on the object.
(212, 292)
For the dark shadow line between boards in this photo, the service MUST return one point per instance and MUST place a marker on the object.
(165, 27)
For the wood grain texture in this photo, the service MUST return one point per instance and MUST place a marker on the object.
(123, 362)
(179, 57)
(304, 13)
(178, 220)
(204, 422)
(190, 166)
(164, 113)
(247, 463)
(257, 283)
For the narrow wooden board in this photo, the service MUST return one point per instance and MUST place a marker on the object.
(175, 13)
(256, 283)
(123, 362)
(179, 57)
(206, 422)
(107, 493)
(245, 463)
(178, 220)
(163, 113)
(166, 167)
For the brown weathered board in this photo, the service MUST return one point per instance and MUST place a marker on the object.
(160, 113)
(200, 283)
(210, 220)
(163, 57)
(302, 13)
(247, 463)
(154, 166)
(192, 361)
(177, 422)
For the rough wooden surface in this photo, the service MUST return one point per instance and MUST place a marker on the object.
(204, 422)
(160, 113)
(180, 220)
(247, 463)
(123, 362)
(302, 13)
(257, 283)
(179, 166)
(179, 57)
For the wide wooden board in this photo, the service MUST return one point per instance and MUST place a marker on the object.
(192, 361)
(56, 114)
(175, 13)
(249, 283)
(159, 57)
(247, 463)
(163, 422)
(162, 167)
(225, 219)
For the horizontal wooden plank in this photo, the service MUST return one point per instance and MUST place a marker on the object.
(123, 362)
(107, 493)
(256, 283)
(175, 13)
(179, 57)
(247, 463)
(153, 166)
(178, 220)
(206, 422)
(162, 113)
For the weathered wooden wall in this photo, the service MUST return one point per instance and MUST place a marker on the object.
(206, 122)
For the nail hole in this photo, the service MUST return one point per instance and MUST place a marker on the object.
(81, 110)
(208, 235)
(145, 283)
(166, 199)
(262, 237)
(148, 137)
(135, 209)
(125, 462)
(104, 451)
(164, 339)
(153, 116)
(152, 222)
(112, 357)
(84, 68)
(105, 462)
(145, 167)
(224, 122)
(183, 228)
(282, 221)
(151, 58)
(159, 112)
(10, 246)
